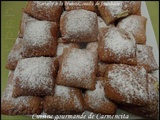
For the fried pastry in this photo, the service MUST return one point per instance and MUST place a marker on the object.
(126, 84)
(66, 100)
(74, 5)
(97, 102)
(24, 105)
(45, 10)
(113, 10)
(145, 57)
(78, 69)
(40, 39)
(23, 23)
(136, 25)
(151, 109)
(117, 46)
(35, 76)
(79, 26)
(15, 54)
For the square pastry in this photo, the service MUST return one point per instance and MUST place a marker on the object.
(40, 39)
(24, 105)
(145, 57)
(96, 100)
(136, 25)
(117, 46)
(77, 69)
(15, 54)
(151, 109)
(45, 10)
(66, 101)
(25, 18)
(73, 5)
(113, 10)
(79, 26)
(127, 84)
(35, 76)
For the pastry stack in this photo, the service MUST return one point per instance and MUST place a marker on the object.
(74, 56)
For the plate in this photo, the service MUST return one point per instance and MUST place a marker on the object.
(11, 11)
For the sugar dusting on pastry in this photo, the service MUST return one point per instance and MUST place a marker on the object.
(97, 97)
(145, 57)
(47, 4)
(15, 53)
(129, 81)
(79, 61)
(37, 33)
(8, 94)
(35, 73)
(80, 23)
(62, 91)
(120, 42)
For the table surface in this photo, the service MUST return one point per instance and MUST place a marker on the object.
(11, 14)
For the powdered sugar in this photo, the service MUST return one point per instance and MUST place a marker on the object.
(35, 73)
(62, 91)
(145, 57)
(7, 96)
(129, 81)
(78, 105)
(131, 23)
(97, 96)
(80, 22)
(120, 42)
(37, 33)
(47, 4)
(78, 61)
(101, 23)
(15, 53)
(62, 46)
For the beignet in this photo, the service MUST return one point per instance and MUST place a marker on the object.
(66, 100)
(126, 84)
(40, 39)
(136, 25)
(113, 10)
(79, 26)
(35, 76)
(45, 10)
(24, 105)
(117, 46)
(96, 101)
(78, 69)
(145, 57)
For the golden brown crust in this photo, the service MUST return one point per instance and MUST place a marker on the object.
(45, 10)
(97, 102)
(84, 74)
(24, 105)
(66, 100)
